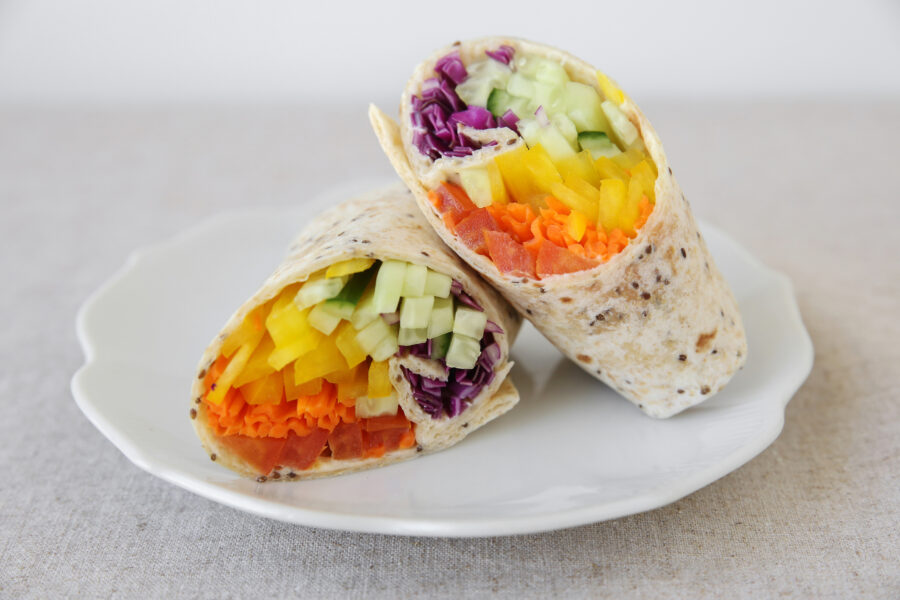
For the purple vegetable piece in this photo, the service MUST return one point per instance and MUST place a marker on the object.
(503, 54)
(451, 66)
(475, 117)
(509, 119)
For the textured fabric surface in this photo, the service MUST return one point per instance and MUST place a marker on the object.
(806, 188)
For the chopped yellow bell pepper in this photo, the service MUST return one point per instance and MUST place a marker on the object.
(234, 368)
(609, 170)
(581, 165)
(573, 200)
(248, 329)
(643, 173)
(345, 339)
(292, 391)
(266, 390)
(258, 365)
(516, 177)
(326, 360)
(291, 332)
(379, 380)
(349, 267)
(357, 385)
(587, 191)
(631, 211)
(576, 225)
(498, 190)
(540, 166)
(612, 199)
(610, 90)
(629, 158)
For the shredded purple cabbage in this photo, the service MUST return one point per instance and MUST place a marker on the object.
(503, 54)
(437, 113)
(453, 396)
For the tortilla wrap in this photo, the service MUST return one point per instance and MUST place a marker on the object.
(381, 225)
(656, 322)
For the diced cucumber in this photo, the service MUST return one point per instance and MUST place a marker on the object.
(319, 288)
(386, 348)
(501, 101)
(621, 126)
(372, 334)
(415, 313)
(414, 280)
(337, 308)
(550, 97)
(365, 312)
(477, 183)
(566, 128)
(389, 285)
(323, 320)
(542, 69)
(584, 107)
(410, 337)
(598, 144)
(463, 352)
(469, 321)
(482, 77)
(441, 317)
(439, 345)
(548, 136)
(375, 407)
(345, 302)
(437, 284)
(521, 86)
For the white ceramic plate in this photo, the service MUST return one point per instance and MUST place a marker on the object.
(572, 452)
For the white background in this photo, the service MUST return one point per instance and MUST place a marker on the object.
(229, 51)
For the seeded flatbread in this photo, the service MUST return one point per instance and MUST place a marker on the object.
(384, 224)
(657, 322)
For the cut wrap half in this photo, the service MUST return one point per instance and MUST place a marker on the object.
(371, 343)
(548, 180)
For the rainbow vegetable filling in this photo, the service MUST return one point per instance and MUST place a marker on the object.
(569, 197)
(307, 375)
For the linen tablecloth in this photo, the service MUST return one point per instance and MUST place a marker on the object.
(810, 189)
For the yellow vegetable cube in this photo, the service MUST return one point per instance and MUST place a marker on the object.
(326, 360)
(587, 191)
(356, 385)
(291, 332)
(643, 173)
(247, 330)
(629, 158)
(516, 177)
(612, 199)
(581, 166)
(258, 365)
(266, 390)
(498, 189)
(379, 380)
(234, 368)
(610, 90)
(609, 170)
(631, 211)
(573, 200)
(292, 391)
(542, 169)
(349, 267)
(576, 225)
(345, 339)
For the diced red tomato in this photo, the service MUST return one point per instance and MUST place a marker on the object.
(346, 441)
(260, 453)
(453, 198)
(386, 422)
(553, 260)
(508, 255)
(301, 452)
(470, 230)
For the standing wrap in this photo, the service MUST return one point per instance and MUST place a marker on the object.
(548, 180)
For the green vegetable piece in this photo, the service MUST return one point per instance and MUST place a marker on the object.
(415, 313)
(441, 317)
(470, 322)
(463, 352)
(389, 285)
